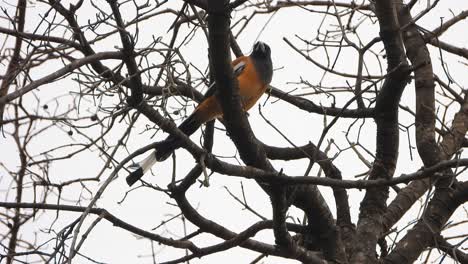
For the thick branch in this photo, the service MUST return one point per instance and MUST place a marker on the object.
(14, 65)
(451, 143)
(331, 171)
(439, 210)
(370, 225)
(228, 94)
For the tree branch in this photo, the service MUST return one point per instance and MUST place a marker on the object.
(14, 65)
(437, 213)
(109, 217)
(370, 226)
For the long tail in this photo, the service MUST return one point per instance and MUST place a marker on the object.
(163, 150)
(141, 168)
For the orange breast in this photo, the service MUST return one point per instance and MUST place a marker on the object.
(251, 89)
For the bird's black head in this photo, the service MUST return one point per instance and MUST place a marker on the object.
(260, 50)
(261, 56)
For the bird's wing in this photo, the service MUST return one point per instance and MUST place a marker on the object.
(211, 90)
(238, 66)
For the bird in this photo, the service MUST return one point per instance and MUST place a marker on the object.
(253, 72)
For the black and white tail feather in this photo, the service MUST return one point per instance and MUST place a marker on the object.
(162, 150)
(141, 168)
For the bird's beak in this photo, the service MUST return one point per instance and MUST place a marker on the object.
(261, 46)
